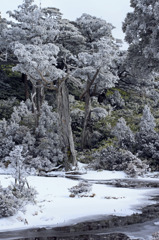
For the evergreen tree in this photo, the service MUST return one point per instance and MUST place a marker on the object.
(97, 61)
(147, 139)
(124, 134)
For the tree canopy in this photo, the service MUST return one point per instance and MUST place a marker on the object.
(142, 33)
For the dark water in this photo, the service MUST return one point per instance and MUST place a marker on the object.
(84, 231)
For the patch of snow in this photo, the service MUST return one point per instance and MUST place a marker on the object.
(54, 207)
(156, 223)
(104, 175)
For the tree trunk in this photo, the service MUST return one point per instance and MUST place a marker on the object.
(25, 80)
(65, 127)
(39, 96)
(84, 139)
(86, 94)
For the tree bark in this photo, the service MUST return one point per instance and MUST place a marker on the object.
(84, 138)
(65, 127)
(87, 96)
(25, 80)
(39, 96)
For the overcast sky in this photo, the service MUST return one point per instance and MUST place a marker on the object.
(113, 11)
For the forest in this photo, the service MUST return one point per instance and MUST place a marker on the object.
(70, 95)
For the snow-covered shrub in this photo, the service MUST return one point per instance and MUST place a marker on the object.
(21, 112)
(119, 160)
(6, 107)
(20, 188)
(48, 151)
(13, 198)
(155, 236)
(26, 194)
(6, 141)
(15, 132)
(124, 134)
(82, 188)
(9, 204)
(136, 167)
(17, 162)
(116, 100)
(147, 123)
(42, 146)
(18, 193)
(108, 159)
(28, 143)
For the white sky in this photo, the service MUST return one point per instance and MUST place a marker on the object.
(113, 11)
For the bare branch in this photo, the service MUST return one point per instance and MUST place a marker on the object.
(90, 83)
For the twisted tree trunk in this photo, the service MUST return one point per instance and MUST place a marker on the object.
(84, 138)
(65, 126)
(87, 97)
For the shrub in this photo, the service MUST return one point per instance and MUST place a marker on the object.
(119, 160)
(9, 204)
(13, 198)
(83, 187)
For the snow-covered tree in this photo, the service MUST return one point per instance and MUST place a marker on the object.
(141, 29)
(124, 134)
(97, 61)
(3, 46)
(147, 139)
(17, 162)
(31, 24)
(147, 123)
(33, 40)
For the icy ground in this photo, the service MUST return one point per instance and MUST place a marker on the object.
(54, 207)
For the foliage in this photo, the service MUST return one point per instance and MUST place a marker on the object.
(116, 100)
(147, 139)
(141, 29)
(40, 146)
(17, 162)
(14, 197)
(9, 204)
(48, 149)
(124, 134)
(147, 123)
(6, 107)
(111, 158)
(99, 55)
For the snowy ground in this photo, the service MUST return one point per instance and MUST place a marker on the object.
(54, 207)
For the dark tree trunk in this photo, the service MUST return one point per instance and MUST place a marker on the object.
(65, 127)
(84, 138)
(25, 80)
(87, 96)
(39, 96)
